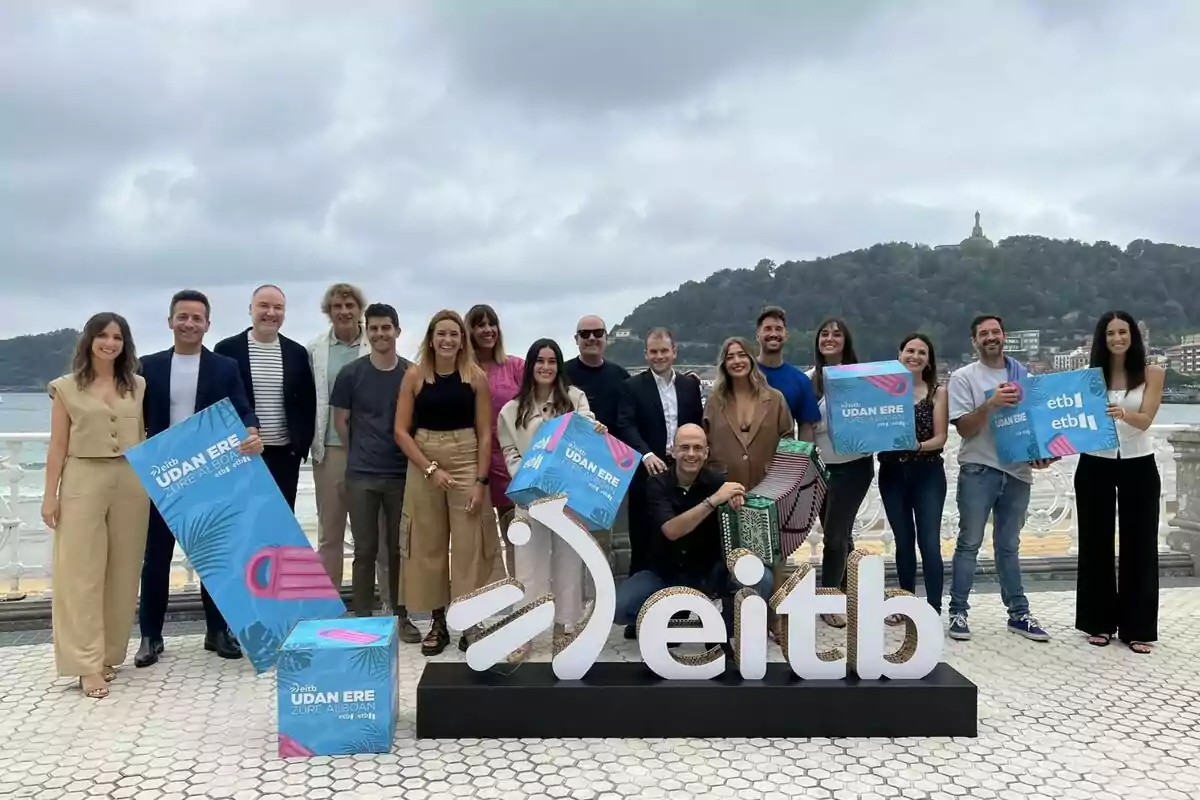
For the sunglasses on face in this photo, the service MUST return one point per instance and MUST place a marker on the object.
(591, 333)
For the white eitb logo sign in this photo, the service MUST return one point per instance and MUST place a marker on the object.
(798, 602)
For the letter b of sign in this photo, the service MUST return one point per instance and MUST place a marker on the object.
(582, 649)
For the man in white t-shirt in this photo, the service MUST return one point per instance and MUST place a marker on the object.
(986, 487)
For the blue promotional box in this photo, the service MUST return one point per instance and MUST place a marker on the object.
(236, 529)
(568, 457)
(337, 684)
(870, 407)
(1059, 414)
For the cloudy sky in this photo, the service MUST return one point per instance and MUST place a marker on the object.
(556, 159)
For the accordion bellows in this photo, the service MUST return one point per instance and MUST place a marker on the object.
(780, 511)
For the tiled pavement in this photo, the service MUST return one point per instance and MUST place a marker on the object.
(1058, 720)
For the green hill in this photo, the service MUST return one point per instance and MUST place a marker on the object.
(28, 363)
(883, 292)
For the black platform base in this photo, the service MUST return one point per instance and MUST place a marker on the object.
(627, 700)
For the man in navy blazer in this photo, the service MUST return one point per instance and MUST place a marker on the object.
(179, 382)
(279, 380)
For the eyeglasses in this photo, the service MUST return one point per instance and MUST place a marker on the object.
(591, 333)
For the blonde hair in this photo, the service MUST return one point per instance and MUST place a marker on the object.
(484, 313)
(340, 290)
(468, 370)
(722, 391)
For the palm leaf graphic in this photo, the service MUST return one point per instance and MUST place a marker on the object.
(206, 537)
(374, 662)
(373, 739)
(904, 442)
(260, 643)
(850, 444)
(294, 663)
(601, 517)
(1095, 383)
(1032, 453)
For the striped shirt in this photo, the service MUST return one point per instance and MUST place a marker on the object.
(266, 375)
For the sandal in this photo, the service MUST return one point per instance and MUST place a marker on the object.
(893, 620)
(1100, 640)
(519, 655)
(1141, 648)
(438, 638)
(95, 693)
(834, 620)
(109, 674)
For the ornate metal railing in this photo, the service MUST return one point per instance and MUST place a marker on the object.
(25, 543)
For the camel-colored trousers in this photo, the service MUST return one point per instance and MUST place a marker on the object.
(446, 551)
(103, 512)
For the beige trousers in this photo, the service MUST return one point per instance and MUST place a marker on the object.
(98, 546)
(333, 511)
(447, 552)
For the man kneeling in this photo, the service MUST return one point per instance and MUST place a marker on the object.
(686, 543)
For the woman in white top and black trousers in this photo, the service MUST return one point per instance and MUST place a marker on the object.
(1128, 479)
(545, 564)
(850, 474)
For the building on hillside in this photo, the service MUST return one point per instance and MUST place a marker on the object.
(1024, 344)
(1078, 358)
(1185, 357)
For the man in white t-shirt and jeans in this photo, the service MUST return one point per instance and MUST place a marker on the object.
(986, 487)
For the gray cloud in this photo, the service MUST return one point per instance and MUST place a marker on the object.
(555, 161)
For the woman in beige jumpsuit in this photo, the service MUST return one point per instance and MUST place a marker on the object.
(95, 504)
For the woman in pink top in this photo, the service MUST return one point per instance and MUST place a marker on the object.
(504, 379)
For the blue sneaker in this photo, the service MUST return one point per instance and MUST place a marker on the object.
(1026, 625)
(959, 631)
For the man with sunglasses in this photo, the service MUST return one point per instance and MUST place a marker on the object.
(600, 380)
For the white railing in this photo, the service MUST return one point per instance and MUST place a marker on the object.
(25, 543)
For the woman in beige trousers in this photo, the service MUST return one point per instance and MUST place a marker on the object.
(95, 504)
(444, 426)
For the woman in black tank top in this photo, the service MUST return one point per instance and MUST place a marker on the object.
(912, 483)
(444, 426)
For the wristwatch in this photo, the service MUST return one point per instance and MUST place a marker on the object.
(484, 481)
(432, 468)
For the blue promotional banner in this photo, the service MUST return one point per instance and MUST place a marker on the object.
(1059, 414)
(337, 682)
(870, 407)
(568, 457)
(236, 529)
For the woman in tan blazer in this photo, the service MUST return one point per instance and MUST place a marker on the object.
(745, 419)
(95, 504)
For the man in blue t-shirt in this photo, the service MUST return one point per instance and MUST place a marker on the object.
(791, 382)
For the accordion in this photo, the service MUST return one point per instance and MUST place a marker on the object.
(781, 510)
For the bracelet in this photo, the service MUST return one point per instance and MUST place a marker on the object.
(708, 502)
(432, 468)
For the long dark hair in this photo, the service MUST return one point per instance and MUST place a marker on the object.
(560, 399)
(929, 374)
(126, 365)
(1135, 357)
(848, 354)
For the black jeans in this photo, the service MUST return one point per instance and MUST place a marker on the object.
(1121, 493)
(284, 465)
(913, 494)
(367, 499)
(848, 486)
(156, 583)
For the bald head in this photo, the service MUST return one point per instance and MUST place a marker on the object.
(690, 451)
(590, 322)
